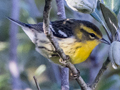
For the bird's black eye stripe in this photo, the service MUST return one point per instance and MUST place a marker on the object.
(92, 34)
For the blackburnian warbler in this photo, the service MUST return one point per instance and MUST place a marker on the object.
(77, 38)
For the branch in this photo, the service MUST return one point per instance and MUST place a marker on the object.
(36, 83)
(100, 73)
(56, 45)
(61, 9)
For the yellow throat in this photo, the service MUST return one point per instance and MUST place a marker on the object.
(79, 51)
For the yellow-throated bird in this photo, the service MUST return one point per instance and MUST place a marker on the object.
(77, 38)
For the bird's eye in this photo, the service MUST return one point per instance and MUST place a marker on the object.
(92, 36)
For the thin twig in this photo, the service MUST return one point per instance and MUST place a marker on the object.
(82, 84)
(36, 83)
(100, 73)
(103, 25)
(56, 45)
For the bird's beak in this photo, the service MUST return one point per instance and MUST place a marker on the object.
(104, 41)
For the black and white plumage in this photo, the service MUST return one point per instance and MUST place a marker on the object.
(60, 29)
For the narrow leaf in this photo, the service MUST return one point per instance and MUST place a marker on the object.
(114, 5)
(110, 19)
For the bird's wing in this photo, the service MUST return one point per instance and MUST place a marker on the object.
(60, 28)
(37, 27)
(21, 24)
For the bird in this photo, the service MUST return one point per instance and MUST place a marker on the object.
(76, 37)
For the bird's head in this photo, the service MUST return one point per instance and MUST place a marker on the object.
(87, 32)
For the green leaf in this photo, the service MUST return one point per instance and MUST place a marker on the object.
(109, 83)
(110, 19)
(114, 5)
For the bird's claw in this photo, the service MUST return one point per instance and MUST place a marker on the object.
(64, 62)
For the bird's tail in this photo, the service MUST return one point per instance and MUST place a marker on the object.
(26, 28)
(21, 24)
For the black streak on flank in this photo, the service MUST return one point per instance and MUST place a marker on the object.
(41, 47)
(42, 41)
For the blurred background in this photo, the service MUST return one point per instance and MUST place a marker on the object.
(19, 61)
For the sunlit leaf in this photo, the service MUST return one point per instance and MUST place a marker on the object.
(114, 54)
(110, 18)
(114, 5)
(84, 6)
(40, 69)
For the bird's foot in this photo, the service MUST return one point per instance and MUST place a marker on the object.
(64, 62)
